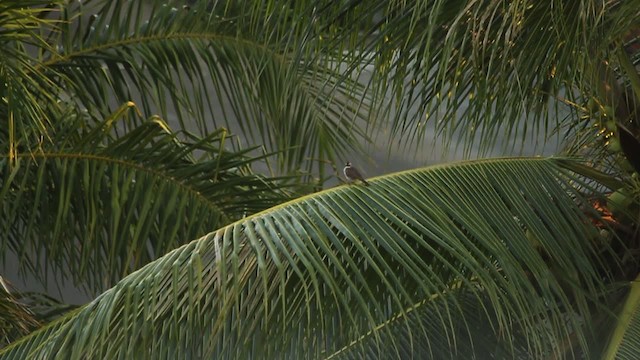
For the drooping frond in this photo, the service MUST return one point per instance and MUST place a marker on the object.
(95, 205)
(27, 93)
(316, 77)
(483, 70)
(509, 241)
(251, 67)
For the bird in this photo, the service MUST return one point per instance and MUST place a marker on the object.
(352, 174)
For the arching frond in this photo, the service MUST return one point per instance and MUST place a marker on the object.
(505, 248)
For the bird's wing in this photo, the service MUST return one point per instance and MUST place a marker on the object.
(355, 173)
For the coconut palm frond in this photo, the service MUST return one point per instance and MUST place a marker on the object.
(484, 70)
(508, 241)
(204, 67)
(97, 205)
(624, 342)
(17, 318)
(27, 91)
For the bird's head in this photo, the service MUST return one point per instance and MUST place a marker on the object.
(348, 163)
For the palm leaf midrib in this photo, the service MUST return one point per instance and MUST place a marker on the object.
(138, 166)
(343, 187)
(57, 58)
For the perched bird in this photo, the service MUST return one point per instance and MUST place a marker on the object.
(352, 174)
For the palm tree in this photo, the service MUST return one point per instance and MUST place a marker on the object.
(511, 257)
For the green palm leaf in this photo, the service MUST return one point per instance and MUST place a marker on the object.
(469, 334)
(625, 337)
(27, 92)
(16, 318)
(226, 66)
(450, 63)
(97, 205)
(287, 72)
(505, 240)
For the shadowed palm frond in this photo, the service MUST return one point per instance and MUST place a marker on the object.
(227, 65)
(27, 91)
(503, 249)
(486, 70)
(96, 205)
(419, 332)
(311, 80)
(16, 318)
